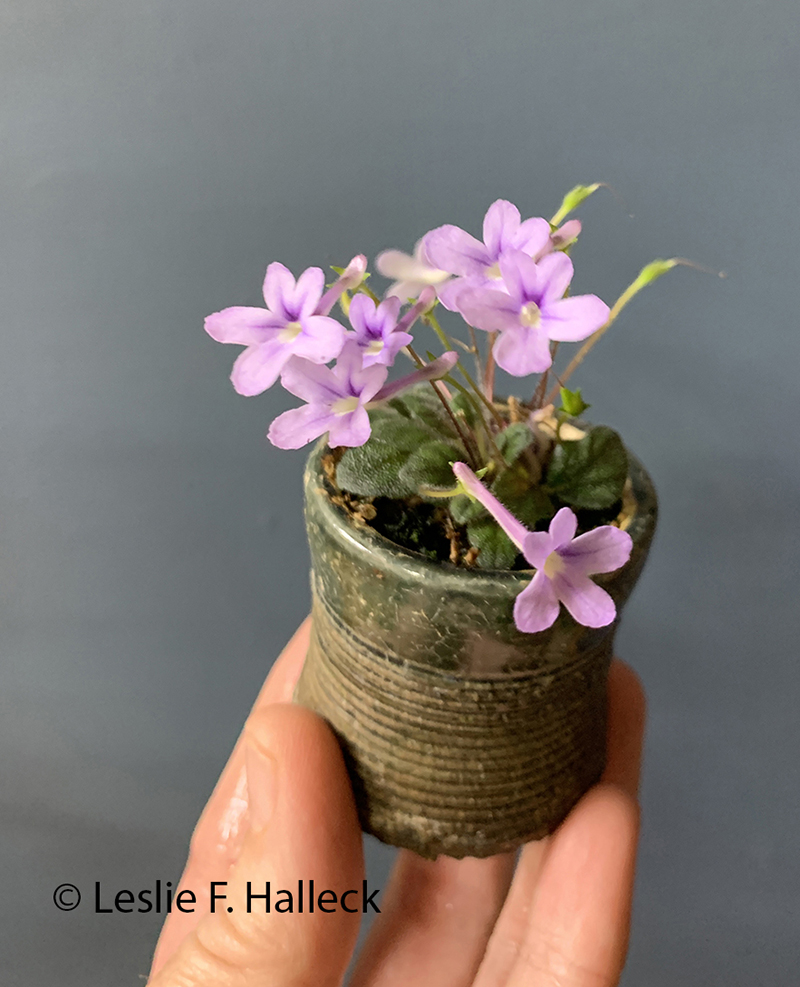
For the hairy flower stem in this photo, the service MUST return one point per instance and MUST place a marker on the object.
(468, 446)
(488, 377)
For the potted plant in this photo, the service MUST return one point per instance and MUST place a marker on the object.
(471, 553)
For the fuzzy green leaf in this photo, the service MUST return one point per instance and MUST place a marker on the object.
(464, 509)
(591, 472)
(496, 550)
(513, 441)
(429, 466)
(422, 404)
(404, 434)
(372, 470)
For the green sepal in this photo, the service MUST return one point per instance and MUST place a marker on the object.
(591, 472)
(572, 200)
(572, 402)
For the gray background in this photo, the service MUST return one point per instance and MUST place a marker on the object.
(155, 157)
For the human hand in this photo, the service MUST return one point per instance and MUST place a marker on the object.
(559, 919)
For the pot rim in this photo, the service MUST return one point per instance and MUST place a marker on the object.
(370, 541)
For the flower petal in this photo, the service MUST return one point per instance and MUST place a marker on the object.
(533, 236)
(536, 607)
(448, 292)
(488, 308)
(308, 291)
(278, 288)
(311, 382)
(352, 429)
(572, 319)
(603, 549)
(500, 226)
(521, 351)
(515, 529)
(321, 340)
(563, 527)
(536, 547)
(296, 428)
(242, 324)
(454, 250)
(556, 272)
(522, 277)
(257, 368)
(586, 601)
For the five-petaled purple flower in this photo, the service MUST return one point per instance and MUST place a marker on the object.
(563, 562)
(376, 330)
(476, 264)
(531, 311)
(289, 326)
(336, 399)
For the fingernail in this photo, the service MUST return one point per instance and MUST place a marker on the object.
(262, 772)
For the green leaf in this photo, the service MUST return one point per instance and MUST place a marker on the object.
(372, 470)
(572, 402)
(591, 472)
(462, 402)
(572, 200)
(429, 466)
(529, 504)
(513, 441)
(422, 404)
(404, 434)
(496, 550)
(464, 509)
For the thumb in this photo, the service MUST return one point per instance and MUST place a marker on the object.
(303, 828)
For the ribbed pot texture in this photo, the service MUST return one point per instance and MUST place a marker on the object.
(462, 735)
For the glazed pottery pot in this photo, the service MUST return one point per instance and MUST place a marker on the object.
(462, 735)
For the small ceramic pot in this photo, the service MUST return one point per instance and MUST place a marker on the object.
(462, 735)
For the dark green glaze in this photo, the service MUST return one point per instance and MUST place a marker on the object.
(462, 735)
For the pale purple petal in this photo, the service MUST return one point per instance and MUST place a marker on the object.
(296, 428)
(431, 371)
(278, 288)
(573, 319)
(586, 601)
(536, 607)
(533, 236)
(321, 340)
(449, 292)
(488, 309)
(515, 529)
(312, 382)
(456, 251)
(536, 547)
(352, 429)
(308, 292)
(603, 549)
(521, 351)
(395, 341)
(556, 272)
(522, 277)
(566, 233)
(563, 527)
(242, 324)
(360, 308)
(257, 368)
(500, 226)
(350, 278)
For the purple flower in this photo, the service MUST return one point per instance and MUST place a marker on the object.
(350, 278)
(563, 563)
(289, 326)
(531, 311)
(376, 329)
(336, 399)
(476, 264)
(411, 273)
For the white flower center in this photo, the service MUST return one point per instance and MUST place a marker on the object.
(493, 271)
(290, 332)
(344, 406)
(530, 315)
(553, 565)
(374, 348)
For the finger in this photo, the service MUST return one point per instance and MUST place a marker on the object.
(303, 826)
(626, 716)
(435, 921)
(220, 831)
(577, 935)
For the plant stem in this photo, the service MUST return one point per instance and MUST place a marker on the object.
(538, 396)
(476, 349)
(468, 448)
(488, 377)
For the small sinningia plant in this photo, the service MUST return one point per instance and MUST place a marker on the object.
(435, 460)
